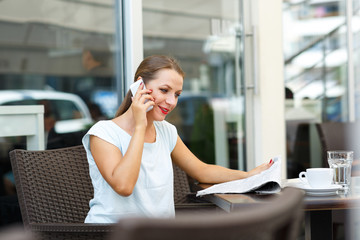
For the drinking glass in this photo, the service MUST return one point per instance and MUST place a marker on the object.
(341, 162)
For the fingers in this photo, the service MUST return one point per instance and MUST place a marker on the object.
(261, 167)
(140, 91)
(270, 163)
(149, 103)
(146, 97)
(143, 99)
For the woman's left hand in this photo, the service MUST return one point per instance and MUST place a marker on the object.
(260, 168)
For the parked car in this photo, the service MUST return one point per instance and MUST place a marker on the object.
(69, 111)
(66, 119)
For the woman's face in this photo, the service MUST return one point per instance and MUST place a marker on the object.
(167, 87)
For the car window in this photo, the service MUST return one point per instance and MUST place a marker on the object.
(65, 110)
(60, 109)
(21, 102)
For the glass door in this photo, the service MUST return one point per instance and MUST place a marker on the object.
(208, 38)
(321, 73)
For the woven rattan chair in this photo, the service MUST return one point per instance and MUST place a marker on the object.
(54, 189)
(279, 219)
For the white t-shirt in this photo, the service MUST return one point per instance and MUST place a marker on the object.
(153, 192)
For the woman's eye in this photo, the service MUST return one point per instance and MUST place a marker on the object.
(164, 90)
(177, 94)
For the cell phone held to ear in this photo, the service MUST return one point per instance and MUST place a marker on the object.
(135, 86)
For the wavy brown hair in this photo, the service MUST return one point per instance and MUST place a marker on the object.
(148, 70)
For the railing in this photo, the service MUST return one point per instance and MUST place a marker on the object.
(325, 72)
(325, 51)
(308, 75)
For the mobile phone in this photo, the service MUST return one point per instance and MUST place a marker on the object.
(135, 86)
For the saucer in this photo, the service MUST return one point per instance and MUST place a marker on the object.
(328, 191)
(331, 188)
(321, 193)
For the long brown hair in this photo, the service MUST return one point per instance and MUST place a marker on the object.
(147, 70)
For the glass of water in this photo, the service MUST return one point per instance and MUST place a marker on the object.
(341, 162)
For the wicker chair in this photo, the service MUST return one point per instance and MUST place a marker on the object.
(54, 189)
(279, 219)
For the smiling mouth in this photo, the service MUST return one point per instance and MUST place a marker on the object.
(164, 110)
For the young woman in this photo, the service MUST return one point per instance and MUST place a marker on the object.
(131, 156)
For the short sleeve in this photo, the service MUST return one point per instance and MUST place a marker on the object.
(103, 130)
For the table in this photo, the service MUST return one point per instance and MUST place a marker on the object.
(24, 121)
(319, 210)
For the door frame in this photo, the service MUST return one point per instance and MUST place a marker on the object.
(265, 121)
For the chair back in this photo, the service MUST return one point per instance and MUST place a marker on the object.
(53, 186)
(181, 186)
(339, 136)
(278, 219)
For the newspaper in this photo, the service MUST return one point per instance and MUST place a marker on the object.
(266, 182)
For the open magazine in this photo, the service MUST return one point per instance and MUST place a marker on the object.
(266, 182)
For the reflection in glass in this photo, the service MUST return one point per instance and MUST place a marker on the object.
(56, 47)
(356, 55)
(47, 45)
(315, 50)
(205, 38)
(355, 215)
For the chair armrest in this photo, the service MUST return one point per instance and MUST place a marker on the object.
(192, 198)
(71, 227)
(71, 231)
(194, 203)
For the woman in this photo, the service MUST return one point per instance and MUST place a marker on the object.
(131, 156)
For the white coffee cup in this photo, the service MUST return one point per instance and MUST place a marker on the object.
(317, 177)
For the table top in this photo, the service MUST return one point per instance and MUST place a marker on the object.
(341, 200)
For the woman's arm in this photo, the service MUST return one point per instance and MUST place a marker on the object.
(122, 171)
(208, 173)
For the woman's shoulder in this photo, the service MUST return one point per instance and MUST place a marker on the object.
(103, 125)
(107, 130)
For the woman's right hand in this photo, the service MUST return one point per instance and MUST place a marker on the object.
(140, 103)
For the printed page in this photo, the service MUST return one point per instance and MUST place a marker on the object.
(266, 182)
